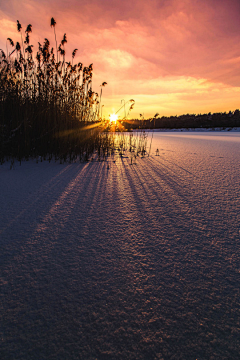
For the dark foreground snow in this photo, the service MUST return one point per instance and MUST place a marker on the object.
(131, 262)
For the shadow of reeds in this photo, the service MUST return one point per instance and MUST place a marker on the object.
(26, 202)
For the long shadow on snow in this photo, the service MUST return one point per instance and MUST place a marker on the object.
(37, 201)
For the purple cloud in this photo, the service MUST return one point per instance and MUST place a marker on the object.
(130, 42)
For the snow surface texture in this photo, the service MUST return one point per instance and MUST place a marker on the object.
(234, 129)
(131, 262)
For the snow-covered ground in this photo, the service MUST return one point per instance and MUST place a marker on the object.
(108, 260)
(219, 129)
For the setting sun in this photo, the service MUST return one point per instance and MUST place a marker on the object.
(113, 118)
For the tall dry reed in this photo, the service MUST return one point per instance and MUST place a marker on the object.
(47, 105)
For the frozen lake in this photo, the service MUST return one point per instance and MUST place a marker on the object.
(131, 262)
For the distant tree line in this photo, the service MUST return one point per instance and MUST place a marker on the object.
(188, 121)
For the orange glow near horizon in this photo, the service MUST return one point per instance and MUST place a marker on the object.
(113, 118)
(172, 58)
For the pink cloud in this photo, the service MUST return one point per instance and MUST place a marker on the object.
(142, 42)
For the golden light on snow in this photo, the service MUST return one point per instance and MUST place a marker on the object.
(113, 118)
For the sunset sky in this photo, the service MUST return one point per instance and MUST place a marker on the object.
(170, 56)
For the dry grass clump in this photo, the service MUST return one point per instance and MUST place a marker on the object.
(47, 106)
(123, 145)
